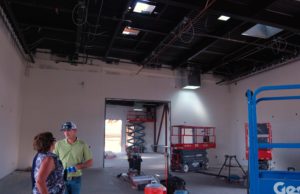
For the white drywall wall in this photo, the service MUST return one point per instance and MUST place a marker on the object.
(284, 116)
(54, 96)
(11, 76)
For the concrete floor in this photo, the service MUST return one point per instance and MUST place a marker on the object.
(104, 181)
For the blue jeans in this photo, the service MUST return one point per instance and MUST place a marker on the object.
(73, 186)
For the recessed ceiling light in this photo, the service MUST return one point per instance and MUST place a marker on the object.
(130, 31)
(224, 18)
(138, 109)
(143, 8)
(191, 87)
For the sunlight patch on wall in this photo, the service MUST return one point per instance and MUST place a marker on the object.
(190, 107)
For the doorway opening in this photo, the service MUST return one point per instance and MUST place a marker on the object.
(136, 127)
(113, 137)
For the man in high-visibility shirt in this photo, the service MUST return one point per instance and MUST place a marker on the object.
(75, 156)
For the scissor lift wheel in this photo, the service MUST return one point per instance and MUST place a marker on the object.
(205, 166)
(185, 168)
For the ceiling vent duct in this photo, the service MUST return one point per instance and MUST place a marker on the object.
(190, 79)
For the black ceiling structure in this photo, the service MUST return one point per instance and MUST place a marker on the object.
(176, 35)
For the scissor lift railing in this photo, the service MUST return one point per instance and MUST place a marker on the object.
(193, 137)
(261, 181)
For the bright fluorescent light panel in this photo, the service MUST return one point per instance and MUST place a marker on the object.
(223, 18)
(138, 109)
(143, 8)
(130, 31)
(191, 87)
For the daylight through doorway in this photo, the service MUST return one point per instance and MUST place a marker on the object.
(113, 136)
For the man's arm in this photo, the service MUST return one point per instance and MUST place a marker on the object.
(85, 164)
(88, 159)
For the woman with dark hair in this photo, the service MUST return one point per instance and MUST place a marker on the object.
(47, 170)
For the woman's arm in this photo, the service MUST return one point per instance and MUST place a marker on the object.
(47, 166)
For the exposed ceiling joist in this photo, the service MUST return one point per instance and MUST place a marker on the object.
(173, 36)
(186, 34)
(229, 58)
(224, 33)
(16, 29)
(118, 28)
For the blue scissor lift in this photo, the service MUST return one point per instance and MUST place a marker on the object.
(263, 181)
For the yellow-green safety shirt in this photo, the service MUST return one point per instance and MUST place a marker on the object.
(72, 154)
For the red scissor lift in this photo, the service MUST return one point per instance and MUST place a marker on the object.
(189, 145)
(264, 135)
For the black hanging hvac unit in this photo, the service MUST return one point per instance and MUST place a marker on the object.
(190, 79)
